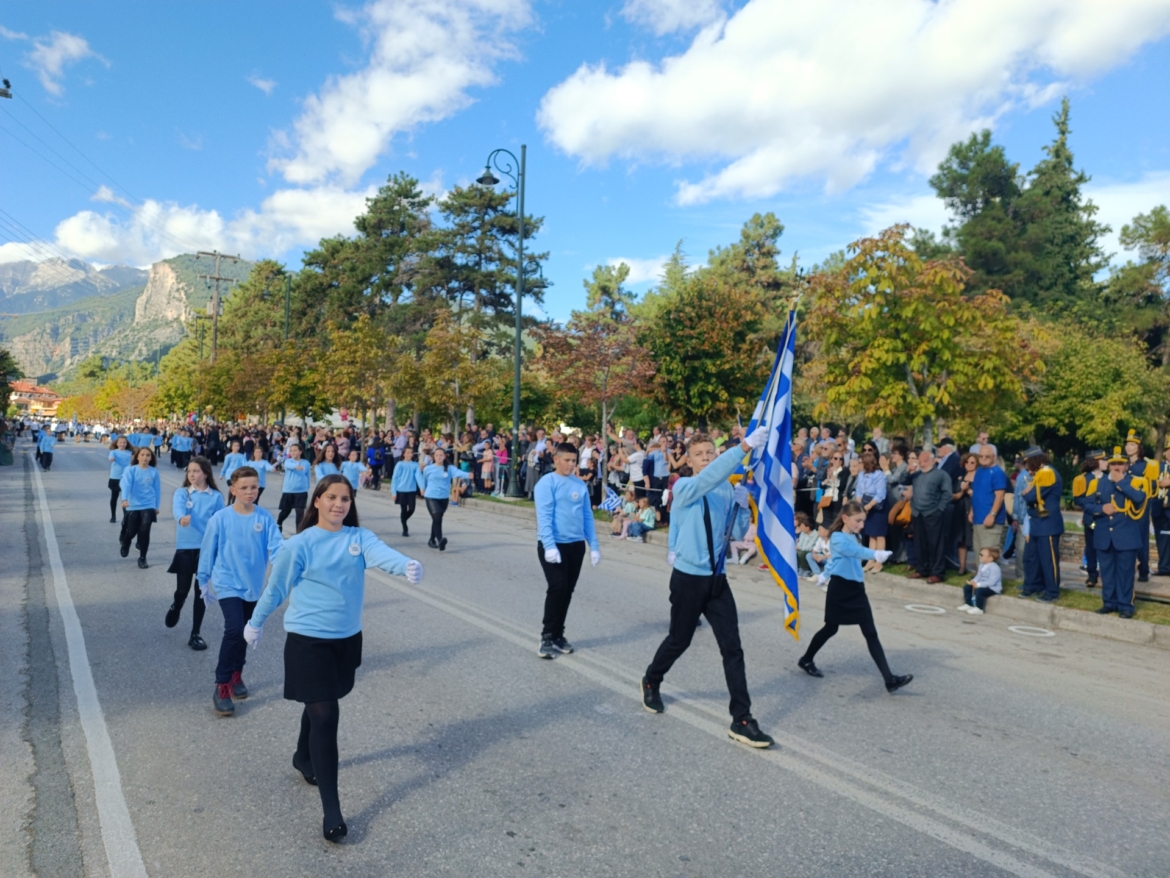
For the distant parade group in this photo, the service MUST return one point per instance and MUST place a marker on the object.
(231, 553)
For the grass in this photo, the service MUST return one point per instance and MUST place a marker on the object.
(1075, 599)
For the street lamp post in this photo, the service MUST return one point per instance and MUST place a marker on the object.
(490, 179)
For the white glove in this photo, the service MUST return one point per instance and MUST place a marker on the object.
(882, 556)
(209, 597)
(670, 558)
(758, 437)
(552, 556)
(252, 635)
(414, 572)
(595, 557)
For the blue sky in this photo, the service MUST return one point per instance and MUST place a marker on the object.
(259, 127)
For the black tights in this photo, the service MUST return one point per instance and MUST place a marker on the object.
(114, 492)
(317, 745)
(198, 608)
(868, 629)
(436, 508)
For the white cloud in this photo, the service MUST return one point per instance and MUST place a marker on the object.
(424, 58)
(669, 16)
(641, 270)
(789, 89)
(50, 55)
(1119, 203)
(192, 142)
(920, 211)
(14, 251)
(12, 34)
(265, 85)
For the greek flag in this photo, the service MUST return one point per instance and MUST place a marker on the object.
(771, 468)
(612, 502)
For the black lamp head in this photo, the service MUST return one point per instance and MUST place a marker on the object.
(488, 178)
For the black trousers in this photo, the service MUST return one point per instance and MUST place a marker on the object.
(407, 502)
(376, 476)
(437, 509)
(137, 524)
(930, 542)
(1161, 539)
(561, 579)
(290, 503)
(691, 597)
(198, 608)
(47, 462)
(1143, 565)
(115, 489)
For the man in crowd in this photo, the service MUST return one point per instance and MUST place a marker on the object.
(1117, 533)
(882, 443)
(930, 508)
(987, 516)
(1041, 495)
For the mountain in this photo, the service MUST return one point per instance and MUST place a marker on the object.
(125, 322)
(28, 287)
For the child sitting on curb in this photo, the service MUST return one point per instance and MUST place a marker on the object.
(747, 545)
(642, 521)
(818, 557)
(988, 581)
(629, 511)
(806, 538)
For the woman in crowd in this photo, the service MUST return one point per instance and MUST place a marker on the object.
(832, 488)
(961, 503)
(871, 493)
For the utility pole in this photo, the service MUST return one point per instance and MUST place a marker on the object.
(215, 297)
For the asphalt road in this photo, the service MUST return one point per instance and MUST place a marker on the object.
(463, 754)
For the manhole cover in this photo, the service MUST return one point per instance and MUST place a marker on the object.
(1030, 631)
(928, 609)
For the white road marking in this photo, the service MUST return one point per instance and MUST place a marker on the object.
(118, 837)
(844, 777)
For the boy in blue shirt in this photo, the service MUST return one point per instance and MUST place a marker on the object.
(702, 511)
(564, 524)
(45, 446)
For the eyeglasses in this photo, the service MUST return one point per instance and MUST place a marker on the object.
(838, 457)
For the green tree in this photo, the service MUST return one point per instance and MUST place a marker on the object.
(9, 372)
(899, 342)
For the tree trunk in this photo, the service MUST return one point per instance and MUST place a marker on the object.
(928, 433)
(392, 414)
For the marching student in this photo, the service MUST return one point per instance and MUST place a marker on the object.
(192, 507)
(321, 571)
(239, 542)
(120, 457)
(404, 486)
(294, 493)
(141, 498)
(564, 527)
(434, 481)
(326, 464)
(233, 461)
(262, 467)
(847, 603)
(45, 446)
(182, 445)
(702, 512)
(353, 468)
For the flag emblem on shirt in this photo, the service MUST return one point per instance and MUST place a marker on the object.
(771, 468)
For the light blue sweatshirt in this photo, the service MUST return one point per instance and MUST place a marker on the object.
(200, 505)
(688, 535)
(324, 576)
(235, 552)
(142, 487)
(845, 556)
(563, 511)
(435, 481)
(406, 476)
(119, 460)
(47, 442)
(231, 463)
(353, 470)
(263, 468)
(182, 443)
(325, 468)
(296, 476)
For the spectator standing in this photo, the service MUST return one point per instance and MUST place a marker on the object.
(871, 494)
(930, 504)
(961, 502)
(880, 441)
(988, 489)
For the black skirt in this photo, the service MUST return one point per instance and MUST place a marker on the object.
(846, 603)
(185, 561)
(405, 498)
(320, 669)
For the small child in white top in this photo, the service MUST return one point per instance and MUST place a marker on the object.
(818, 556)
(988, 581)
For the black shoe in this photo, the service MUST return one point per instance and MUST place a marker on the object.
(433, 543)
(172, 617)
(562, 646)
(1125, 614)
(1104, 611)
(809, 668)
(306, 771)
(1090, 583)
(142, 565)
(405, 532)
(1143, 579)
(547, 650)
(747, 731)
(1044, 600)
(124, 551)
(443, 544)
(113, 519)
(896, 683)
(337, 833)
(651, 700)
(221, 700)
(197, 643)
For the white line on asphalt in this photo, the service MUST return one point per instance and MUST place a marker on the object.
(118, 837)
(878, 798)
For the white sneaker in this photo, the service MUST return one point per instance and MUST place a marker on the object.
(975, 611)
(962, 608)
(812, 578)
